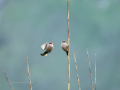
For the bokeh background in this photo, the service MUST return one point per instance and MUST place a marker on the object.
(25, 25)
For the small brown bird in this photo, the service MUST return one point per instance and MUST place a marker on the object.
(64, 46)
(47, 47)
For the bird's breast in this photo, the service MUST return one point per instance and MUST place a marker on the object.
(64, 47)
(49, 49)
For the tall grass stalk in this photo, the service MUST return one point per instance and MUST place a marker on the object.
(76, 71)
(28, 73)
(8, 80)
(90, 70)
(68, 45)
(95, 69)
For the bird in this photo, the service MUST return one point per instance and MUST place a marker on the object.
(64, 46)
(47, 47)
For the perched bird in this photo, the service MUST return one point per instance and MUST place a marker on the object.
(47, 47)
(64, 46)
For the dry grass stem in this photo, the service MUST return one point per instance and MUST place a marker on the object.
(8, 81)
(95, 69)
(77, 71)
(68, 45)
(28, 73)
(90, 70)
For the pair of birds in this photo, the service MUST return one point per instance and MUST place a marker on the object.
(49, 46)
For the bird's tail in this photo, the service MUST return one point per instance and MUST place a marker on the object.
(44, 54)
(67, 53)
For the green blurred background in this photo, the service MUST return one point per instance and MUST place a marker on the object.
(25, 25)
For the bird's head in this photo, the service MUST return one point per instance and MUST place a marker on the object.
(51, 43)
(64, 41)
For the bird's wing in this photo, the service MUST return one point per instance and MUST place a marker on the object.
(44, 46)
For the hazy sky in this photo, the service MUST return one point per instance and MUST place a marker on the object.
(26, 25)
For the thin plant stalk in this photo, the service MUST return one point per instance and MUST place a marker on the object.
(95, 69)
(28, 73)
(68, 45)
(8, 80)
(77, 71)
(90, 70)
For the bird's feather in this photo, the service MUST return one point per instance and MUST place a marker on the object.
(45, 55)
